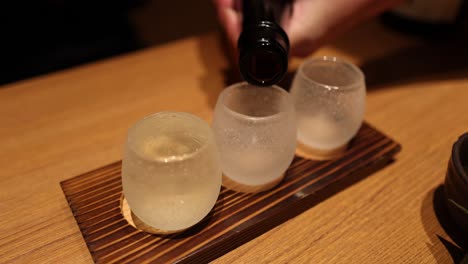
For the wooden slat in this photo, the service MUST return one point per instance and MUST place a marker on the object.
(94, 198)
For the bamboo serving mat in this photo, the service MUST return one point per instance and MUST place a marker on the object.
(95, 199)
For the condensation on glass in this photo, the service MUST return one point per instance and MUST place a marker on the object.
(255, 131)
(329, 96)
(170, 171)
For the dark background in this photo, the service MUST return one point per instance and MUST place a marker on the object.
(43, 36)
(39, 37)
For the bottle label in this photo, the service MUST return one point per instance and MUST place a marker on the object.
(433, 11)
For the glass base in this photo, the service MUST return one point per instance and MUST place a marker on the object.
(310, 153)
(240, 187)
(136, 222)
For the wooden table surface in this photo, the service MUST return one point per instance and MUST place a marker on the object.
(63, 124)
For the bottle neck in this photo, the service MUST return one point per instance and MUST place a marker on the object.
(263, 45)
(263, 53)
(255, 11)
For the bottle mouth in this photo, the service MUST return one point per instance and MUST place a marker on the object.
(263, 50)
(264, 66)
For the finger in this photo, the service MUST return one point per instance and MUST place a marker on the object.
(378, 7)
(315, 23)
(233, 24)
(306, 26)
(229, 18)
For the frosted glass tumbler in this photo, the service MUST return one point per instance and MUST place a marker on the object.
(170, 171)
(329, 97)
(255, 131)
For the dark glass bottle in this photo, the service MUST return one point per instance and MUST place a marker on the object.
(263, 45)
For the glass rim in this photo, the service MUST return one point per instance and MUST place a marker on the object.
(353, 85)
(248, 117)
(168, 158)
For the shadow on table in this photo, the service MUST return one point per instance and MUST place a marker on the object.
(425, 62)
(428, 62)
(211, 54)
(431, 60)
(433, 210)
(216, 55)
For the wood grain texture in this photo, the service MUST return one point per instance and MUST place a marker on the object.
(96, 201)
(64, 124)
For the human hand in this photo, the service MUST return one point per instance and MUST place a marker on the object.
(311, 23)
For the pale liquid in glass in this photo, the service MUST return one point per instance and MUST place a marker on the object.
(171, 184)
(329, 97)
(322, 132)
(254, 167)
(255, 130)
